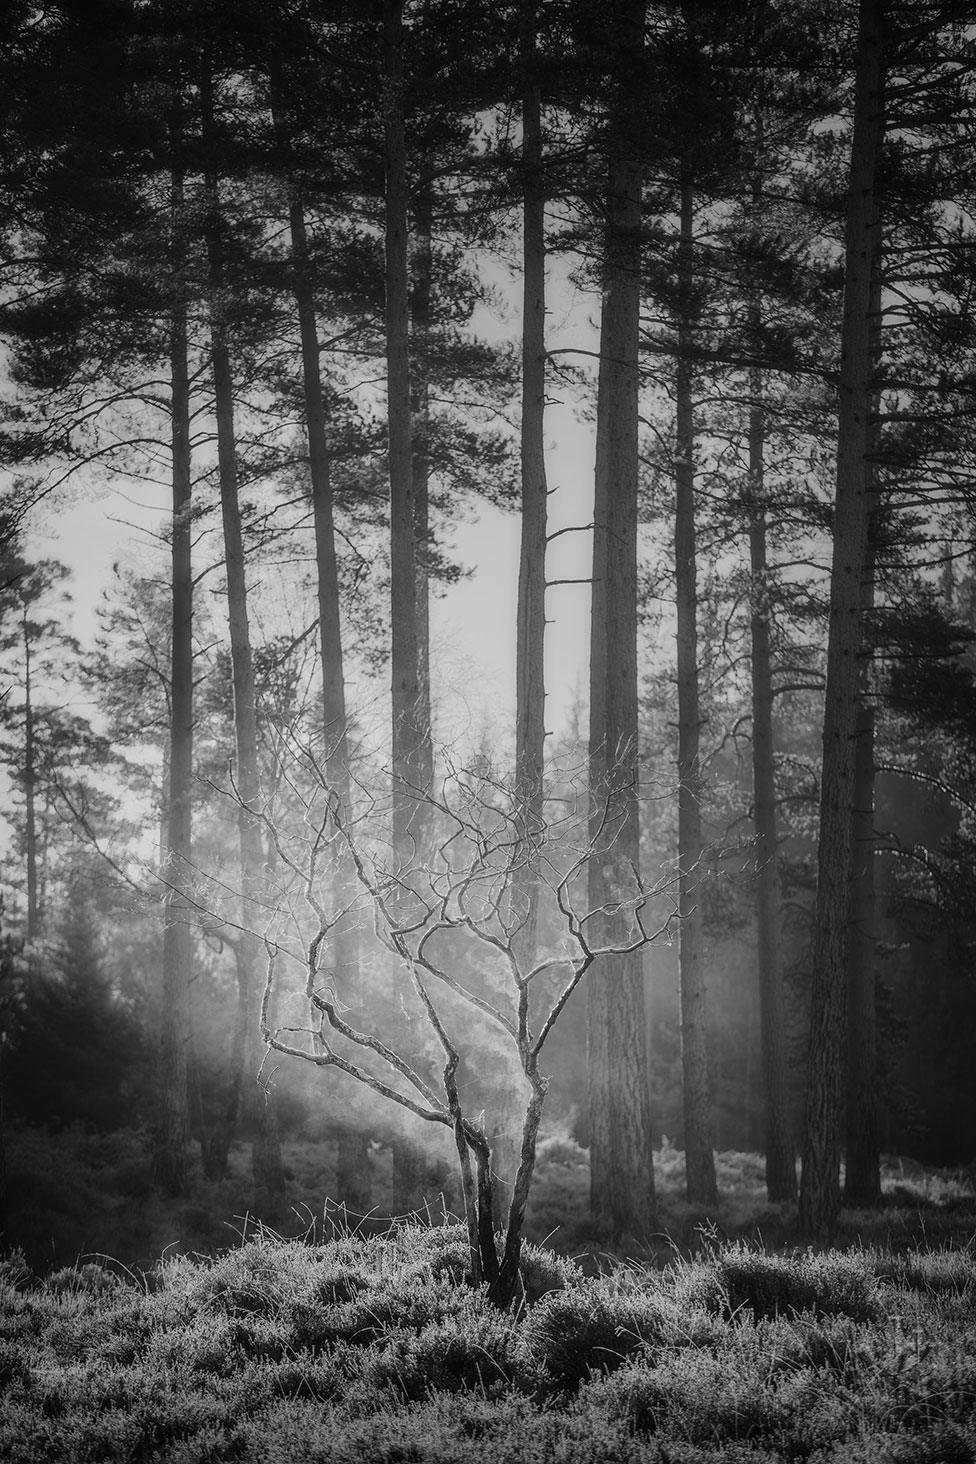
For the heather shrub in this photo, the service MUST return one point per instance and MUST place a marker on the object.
(703, 1398)
(14, 1270)
(90, 1279)
(830, 1283)
(472, 1351)
(952, 1271)
(408, 1302)
(834, 1344)
(543, 1271)
(593, 1327)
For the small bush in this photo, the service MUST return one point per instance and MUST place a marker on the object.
(829, 1283)
(88, 1280)
(836, 1345)
(543, 1271)
(337, 1284)
(473, 1351)
(724, 1400)
(14, 1270)
(593, 1328)
(941, 1271)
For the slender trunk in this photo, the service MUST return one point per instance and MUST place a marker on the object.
(502, 1291)
(30, 791)
(258, 1110)
(862, 1182)
(530, 693)
(621, 1169)
(862, 1179)
(778, 1138)
(420, 304)
(820, 1184)
(352, 1165)
(407, 732)
(170, 1159)
(530, 699)
(779, 1146)
(699, 1155)
(408, 729)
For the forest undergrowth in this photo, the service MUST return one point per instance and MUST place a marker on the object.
(375, 1348)
(721, 1340)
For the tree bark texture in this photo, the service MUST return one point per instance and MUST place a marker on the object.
(530, 692)
(862, 1182)
(820, 1183)
(248, 1052)
(352, 1165)
(621, 1167)
(862, 1178)
(173, 1131)
(697, 1103)
(420, 325)
(409, 731)
(30, 790)
(778, 1129)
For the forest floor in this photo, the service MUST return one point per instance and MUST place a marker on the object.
(374, 1348)
(720, 1339)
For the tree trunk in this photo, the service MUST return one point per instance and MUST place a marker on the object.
(530, 693)
(778, 1136)
(420, 298)
(352, 1166)
(820, 1184)
(408, 730)
(30, 791)
(171, 1143)
(862, 1184)
(257, 1107)
(621, 1168)
(699, 1155)
(862, 1179)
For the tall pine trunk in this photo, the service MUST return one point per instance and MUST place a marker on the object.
(778, 1135)
(420, 327)
(621, 1167)
(699, 1155)
(244, 1100)
(172, 1135)
(352, 1163)
(30, 789)
(530, 691)
(409, 732)
(820, 1183)
(862, 1178)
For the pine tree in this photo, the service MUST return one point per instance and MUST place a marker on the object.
(820, 1184)
(621, 1172)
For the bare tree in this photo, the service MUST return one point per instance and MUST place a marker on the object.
(454, 933)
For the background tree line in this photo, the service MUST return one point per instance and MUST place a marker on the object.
(248, 252)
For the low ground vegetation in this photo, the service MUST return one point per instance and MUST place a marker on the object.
(718, 1338)
(375, 1347)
